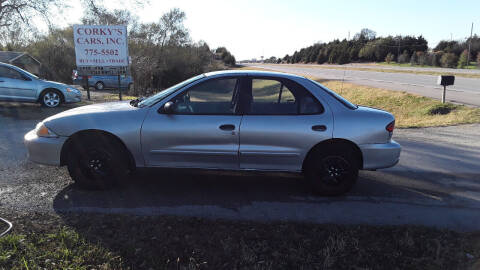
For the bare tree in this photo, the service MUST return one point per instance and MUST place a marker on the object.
(23, 11)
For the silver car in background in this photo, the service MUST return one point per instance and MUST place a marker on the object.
(19, 85)
(227, 120)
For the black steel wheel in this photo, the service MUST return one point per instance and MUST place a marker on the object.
(333, 171)
(97, 162)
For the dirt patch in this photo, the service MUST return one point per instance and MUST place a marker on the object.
(441, 109)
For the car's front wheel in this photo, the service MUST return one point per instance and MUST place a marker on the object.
(333, 170)
(97, 162)
(51, 98)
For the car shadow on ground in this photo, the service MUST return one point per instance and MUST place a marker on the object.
(31, 111)
(153, 189)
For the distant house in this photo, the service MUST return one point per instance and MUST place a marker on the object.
(22, 60)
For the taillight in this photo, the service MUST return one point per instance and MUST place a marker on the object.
(390, 127)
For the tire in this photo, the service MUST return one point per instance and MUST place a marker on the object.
(51, 98)
(100, 86)
(97, 162)
(333, 170)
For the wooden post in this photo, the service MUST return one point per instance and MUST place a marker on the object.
(119, 88)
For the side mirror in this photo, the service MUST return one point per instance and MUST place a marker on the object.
(168, 107)
(25, 78)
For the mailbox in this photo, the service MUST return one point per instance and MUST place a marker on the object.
(446, 80)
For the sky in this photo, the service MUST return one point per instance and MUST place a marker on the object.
(252, 28)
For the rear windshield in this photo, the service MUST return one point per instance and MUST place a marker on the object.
(332, 93)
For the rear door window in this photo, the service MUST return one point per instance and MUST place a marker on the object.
(280, 97)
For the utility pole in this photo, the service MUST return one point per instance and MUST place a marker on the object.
(469, 45)
(398, 48)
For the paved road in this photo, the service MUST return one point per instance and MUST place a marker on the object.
(436, 183)
(465, 90)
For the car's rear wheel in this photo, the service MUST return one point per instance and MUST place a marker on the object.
(97, 162)
(333, 170)
(99, 86)
(51, 98)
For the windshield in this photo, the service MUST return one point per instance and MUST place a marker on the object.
(344, 101)
(159, 96)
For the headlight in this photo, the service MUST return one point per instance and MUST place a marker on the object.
(42, 131)
(73, 90)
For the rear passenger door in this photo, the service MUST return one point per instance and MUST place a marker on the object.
(282, 122)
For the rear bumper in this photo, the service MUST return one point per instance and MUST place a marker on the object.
(379, 156)
(44, 150)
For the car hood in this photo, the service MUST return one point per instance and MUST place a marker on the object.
(94, 109)
(111, 117)
(52, 84)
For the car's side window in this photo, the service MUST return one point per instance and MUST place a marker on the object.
(6, 72)
(215, 96)
(275, 97)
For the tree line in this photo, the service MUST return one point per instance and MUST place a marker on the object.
(162, 52)
(367, 47)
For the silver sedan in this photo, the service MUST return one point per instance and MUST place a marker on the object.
(19, 85)
(227, 120)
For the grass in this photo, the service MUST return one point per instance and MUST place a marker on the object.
(410, 110)
(92, 241)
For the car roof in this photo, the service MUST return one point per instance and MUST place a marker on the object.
(252, 73)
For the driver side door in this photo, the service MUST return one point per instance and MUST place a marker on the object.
(202, 131)
(15, 86)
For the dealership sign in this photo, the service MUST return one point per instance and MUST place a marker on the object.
(101, 45)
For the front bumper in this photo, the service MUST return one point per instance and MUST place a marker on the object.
(44, 150)
(379, 156)
(72, 98)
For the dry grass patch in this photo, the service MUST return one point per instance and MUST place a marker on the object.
(410, 110)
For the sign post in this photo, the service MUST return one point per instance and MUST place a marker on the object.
(119, 88)
(85, 80)
(445, 80)
(101, 50)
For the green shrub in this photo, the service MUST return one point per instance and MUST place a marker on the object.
(462, 62)
(389, 58)
(449, 60)
(404, 57)
(435, 59)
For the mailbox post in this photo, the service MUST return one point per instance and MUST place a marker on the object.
(445, 80)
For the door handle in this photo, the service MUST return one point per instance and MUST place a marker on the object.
(319, 128)
(227, 127)
(2, 81)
